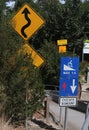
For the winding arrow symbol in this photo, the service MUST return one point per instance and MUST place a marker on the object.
(25, 12)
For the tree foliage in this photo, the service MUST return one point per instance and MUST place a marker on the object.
(63, 21)
(24, 89)
(20, 80)
(50, 70)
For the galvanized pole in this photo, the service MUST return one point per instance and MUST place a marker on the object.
(60, 114)
(65, 121)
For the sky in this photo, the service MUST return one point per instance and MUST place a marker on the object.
(11, 3)
(62, 1)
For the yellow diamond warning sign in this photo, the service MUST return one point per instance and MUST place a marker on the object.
(26, 22)
(37, 59)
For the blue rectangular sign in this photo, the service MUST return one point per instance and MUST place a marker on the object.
(69, 76)
(69, 66)
(68, 86)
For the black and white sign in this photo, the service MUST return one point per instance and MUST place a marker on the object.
(68, 101)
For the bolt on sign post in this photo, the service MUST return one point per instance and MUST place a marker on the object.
(62, 45)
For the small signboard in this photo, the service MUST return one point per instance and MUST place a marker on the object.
(86, 48)
(69, 67)
(68, 101)
(62, 42)
(62, 49)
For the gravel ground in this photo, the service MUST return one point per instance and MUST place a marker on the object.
(39, 123)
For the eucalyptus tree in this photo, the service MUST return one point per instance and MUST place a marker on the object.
(85, 18)
(49, 10)
(50, 69)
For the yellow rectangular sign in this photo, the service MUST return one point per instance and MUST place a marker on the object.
(62, 42)
(37, 59)
(62, 49)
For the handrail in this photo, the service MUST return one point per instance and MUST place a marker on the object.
(86, 122)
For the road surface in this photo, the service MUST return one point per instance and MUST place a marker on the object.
(75, 119)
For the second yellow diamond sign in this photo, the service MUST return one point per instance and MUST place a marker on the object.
(26, 22)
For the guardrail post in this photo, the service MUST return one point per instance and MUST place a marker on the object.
(65, 121)
(47, 108)
(87, 111)
(86, 122)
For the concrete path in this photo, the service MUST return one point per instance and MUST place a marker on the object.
(75, 119)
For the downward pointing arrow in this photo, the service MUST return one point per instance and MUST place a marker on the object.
(73, 86)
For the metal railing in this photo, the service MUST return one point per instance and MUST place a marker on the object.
(83, 103)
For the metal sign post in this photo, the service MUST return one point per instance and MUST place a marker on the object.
(60, 115)
(65, 120)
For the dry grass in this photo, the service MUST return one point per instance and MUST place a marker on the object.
(4, 125)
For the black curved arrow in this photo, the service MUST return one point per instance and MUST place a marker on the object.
(25, 12)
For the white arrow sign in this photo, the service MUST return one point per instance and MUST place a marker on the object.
(73, 86)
